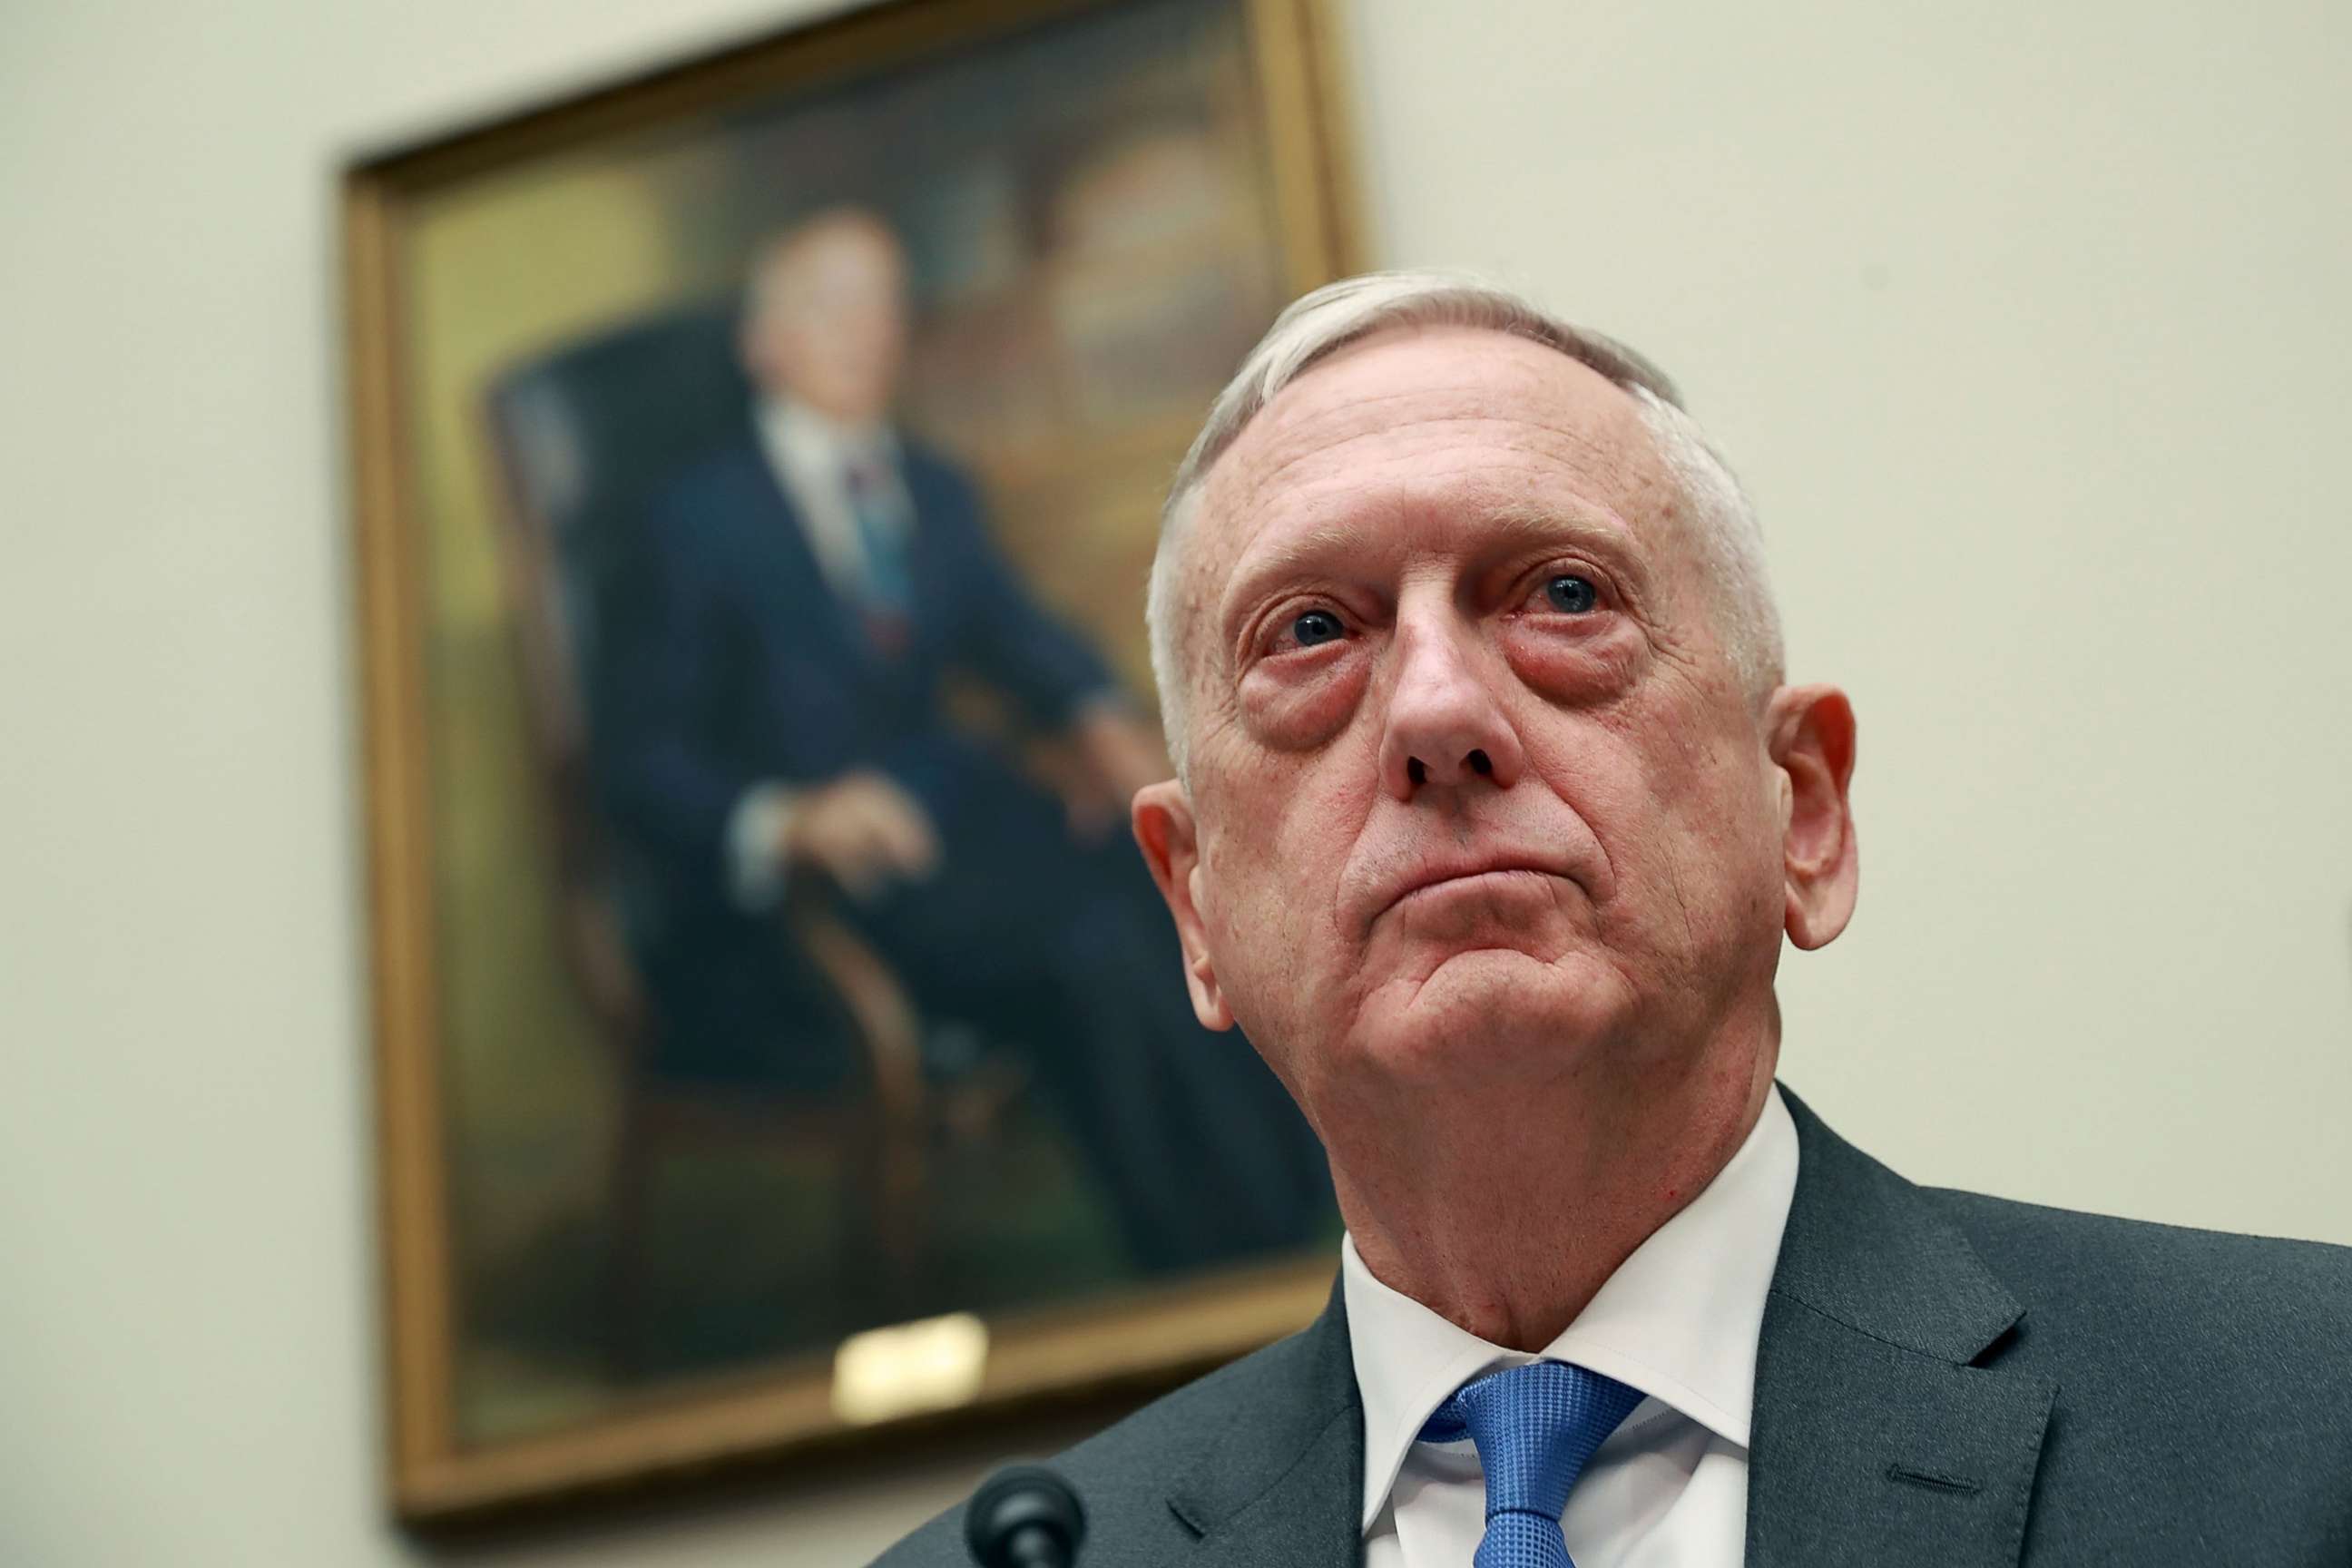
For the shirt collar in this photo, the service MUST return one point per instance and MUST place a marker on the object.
(813, 443)
(1678, 1319)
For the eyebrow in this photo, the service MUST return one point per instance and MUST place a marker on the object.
(1509, 527)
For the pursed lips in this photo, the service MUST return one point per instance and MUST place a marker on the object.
(1437, 876)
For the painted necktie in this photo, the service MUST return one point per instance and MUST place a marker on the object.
(890, 591)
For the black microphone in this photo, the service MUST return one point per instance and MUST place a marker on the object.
(1025, 1516)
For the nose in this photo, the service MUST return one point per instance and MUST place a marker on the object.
(1445, 728)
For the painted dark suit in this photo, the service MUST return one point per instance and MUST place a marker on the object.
(734, 663)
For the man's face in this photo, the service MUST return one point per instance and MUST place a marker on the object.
(829, 322)
(1478, 795)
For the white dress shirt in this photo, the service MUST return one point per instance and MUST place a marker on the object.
(811, 456)
(1678, 1320)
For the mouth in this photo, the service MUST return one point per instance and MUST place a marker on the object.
(1485, 877)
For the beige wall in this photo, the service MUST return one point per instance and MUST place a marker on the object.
(2027, 325)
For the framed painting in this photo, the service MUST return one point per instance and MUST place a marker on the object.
(757, 466)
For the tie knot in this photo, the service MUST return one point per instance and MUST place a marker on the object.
(1534, 1427)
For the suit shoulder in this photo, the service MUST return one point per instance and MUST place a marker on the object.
(2200, 1373)
(707, 485)
(2097, 1243)
(2163, 1282)
(1139, 1449)
(704, 520)
(1123, 1473)
(933, 464)
(944, 490)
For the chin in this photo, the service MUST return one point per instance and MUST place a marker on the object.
(1495, 1009)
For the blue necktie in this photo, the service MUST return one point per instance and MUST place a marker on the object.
(1534, 1427)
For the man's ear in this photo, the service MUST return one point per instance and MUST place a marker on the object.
(1809, 731)
(1171, 848)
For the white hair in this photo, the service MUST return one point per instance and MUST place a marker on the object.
(1319, 324)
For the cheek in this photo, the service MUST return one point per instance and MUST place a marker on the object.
(1271, 882)
(1303, 701)
(1685, 832)
(1250, 926)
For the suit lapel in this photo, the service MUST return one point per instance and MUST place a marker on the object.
(1879, 1434)
(938, 510)
(1281, 1484)
(796, 577)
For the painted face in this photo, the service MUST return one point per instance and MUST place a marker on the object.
(830, 326)
(1476, 792)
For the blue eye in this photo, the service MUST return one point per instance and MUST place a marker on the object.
(1572, 596)
(1317, 626)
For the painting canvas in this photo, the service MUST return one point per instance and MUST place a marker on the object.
(758, 468)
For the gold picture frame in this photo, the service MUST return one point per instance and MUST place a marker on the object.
(1133, 1337)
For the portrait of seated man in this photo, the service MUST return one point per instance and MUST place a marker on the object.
(774, 728)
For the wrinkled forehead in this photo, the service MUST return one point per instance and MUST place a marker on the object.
(1411, 427)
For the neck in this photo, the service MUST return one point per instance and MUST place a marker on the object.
(859, 425)
(1506, 1218)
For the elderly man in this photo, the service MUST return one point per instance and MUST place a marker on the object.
(776, 721)
(1493, 806)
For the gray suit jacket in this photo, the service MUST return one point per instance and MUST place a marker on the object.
(1944, 1380)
